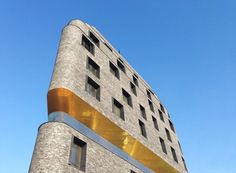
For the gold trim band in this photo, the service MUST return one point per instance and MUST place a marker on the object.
(64, 100)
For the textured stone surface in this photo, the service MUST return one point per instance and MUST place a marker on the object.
(70, 72)
(52, 150)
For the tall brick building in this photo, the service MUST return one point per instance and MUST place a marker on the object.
(102, 116)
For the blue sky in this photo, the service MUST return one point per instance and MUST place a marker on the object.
(186, 50)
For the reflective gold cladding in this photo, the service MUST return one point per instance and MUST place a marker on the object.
(64, 100)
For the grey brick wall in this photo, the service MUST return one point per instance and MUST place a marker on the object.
(52, 150)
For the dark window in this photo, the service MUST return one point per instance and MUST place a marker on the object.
(126, 97)
(143, 112)
(149, 94)
(162, 108)
(155, 123)
(163, 146)
(120, 64)
(142, 129)
(180, 147)
(93, 88)
(168, 115)
(78, 154)
(135, 80)
(118, 109)
(171, 126)
(185, 166)
(174, 154)
(151, 105)
(93, 67)
(168, 134)
(108, 46)
(87, 44)
(94, 38)
(131, 171)
(133, 88)
(161, 116)
(114, 70)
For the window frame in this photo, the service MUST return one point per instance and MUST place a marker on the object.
(121, 65)
(92, 63)
(151, 106)
(78, 143)
(94, 39)
(168, 135)
(135, 80)
(117, 104)
(155, 124)
(128, 97)
(161, 115)
(114, 70)
(133, 88)
(142, 128)
(163, 145)
(174, 154)
(87, 44)
(142, 111)
(98, 92)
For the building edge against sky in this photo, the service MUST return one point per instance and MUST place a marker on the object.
(103, 117)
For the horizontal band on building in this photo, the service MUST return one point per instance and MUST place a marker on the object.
(64, 100)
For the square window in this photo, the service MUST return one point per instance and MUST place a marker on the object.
(143, 112)
(161, 116)
(142, 129)
(114, 70)
(163, 146)
(151, 106)
(162, 108)
(174, 154)
(149, 94)
(133, 88)
(93, 67)
(118, 109)
(135, 80)
(168, 134)
(78, 154)
(93, 88)
(120, 64)
(88, 44)
(155, 123)
(171, 126)
(126, 97)
(94, 38)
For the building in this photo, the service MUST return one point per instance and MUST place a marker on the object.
(102, 116)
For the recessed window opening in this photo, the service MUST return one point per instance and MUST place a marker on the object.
(88, 44)
(120, 65)
(93, 88)
(155, 123)
(133, 88)
(126, 97)
(94, 38)
(163, 146)
(151, 106)
(142, 128)
(93, 67)
(114, 70)
(118, 109)
(143, 112)
(78, 154)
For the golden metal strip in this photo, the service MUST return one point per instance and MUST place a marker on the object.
(64, 100)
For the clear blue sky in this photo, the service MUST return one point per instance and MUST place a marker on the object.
(185, 49)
